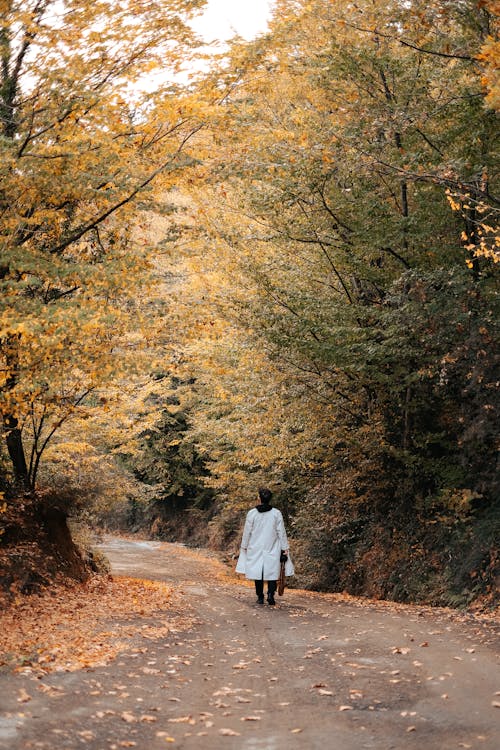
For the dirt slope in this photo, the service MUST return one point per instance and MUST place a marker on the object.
(316, 671)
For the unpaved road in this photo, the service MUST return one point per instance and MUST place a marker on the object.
(310, 673)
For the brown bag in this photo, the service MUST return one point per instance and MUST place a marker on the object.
(281, 579)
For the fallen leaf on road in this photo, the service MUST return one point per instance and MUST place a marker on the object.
(147, 718)
(128, 717)
(51, 690)
(86, 735)
(182, 720)
(24, 697)
(229, 733)
(250, 718)
(424, 644)
(400, 650)
(495, 704)
(224, 691)
(239, 699)
(345, 708)
(411, 729)
(319, 685)
(325, 692)
(296, 731)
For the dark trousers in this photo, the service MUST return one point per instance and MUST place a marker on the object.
(271, 588)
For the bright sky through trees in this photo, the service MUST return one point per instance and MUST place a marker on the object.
(223, 18)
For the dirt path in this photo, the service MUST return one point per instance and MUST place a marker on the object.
(312, 672)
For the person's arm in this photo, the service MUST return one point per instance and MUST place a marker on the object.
(247, 531)
(280, 530)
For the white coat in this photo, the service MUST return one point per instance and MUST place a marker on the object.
(264, 537)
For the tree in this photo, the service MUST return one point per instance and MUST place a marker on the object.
(345, 134)
(81, 141)
(168, 461)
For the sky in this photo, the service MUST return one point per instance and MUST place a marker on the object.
(223, 18)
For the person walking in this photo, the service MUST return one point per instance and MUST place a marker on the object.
(263, 545)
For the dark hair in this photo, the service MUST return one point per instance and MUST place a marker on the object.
(265, 495)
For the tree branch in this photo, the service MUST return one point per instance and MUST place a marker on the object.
(78, 233)
(404, 43)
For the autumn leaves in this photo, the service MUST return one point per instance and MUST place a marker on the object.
(77, 151)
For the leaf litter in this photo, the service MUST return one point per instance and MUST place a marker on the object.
(68, 628)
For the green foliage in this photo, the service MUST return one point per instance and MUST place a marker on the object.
(435, 554)
(434, 379)
(172, 466)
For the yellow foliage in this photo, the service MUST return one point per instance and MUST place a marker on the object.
(490, 58)
(80, 141)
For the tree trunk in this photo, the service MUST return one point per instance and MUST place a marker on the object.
(406, 424)
(15, 447)
(9, 348)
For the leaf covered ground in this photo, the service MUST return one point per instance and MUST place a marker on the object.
(70, 627)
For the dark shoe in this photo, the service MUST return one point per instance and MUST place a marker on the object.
(260, 599)
(270, 600)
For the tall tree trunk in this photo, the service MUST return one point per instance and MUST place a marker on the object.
(13, 436)
(406, 419)
(15, 448)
